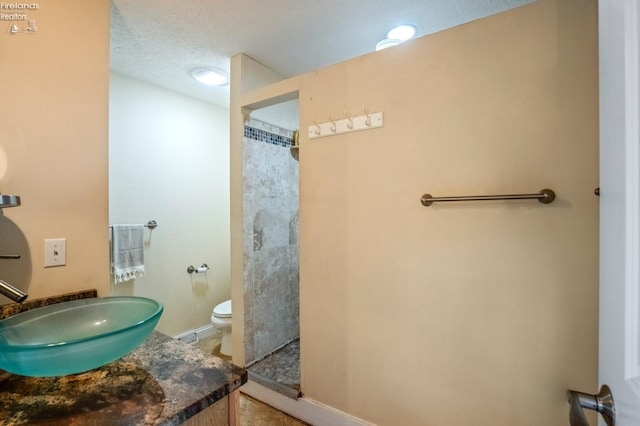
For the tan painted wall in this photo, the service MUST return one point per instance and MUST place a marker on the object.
(53, 146)
(467, 314)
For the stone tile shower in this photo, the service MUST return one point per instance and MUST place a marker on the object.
(271, 279)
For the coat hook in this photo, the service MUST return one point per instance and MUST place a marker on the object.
(368, 120)
(333, 125)
(350, 123)
(318, 130)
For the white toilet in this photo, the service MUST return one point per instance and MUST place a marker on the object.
(221, 320)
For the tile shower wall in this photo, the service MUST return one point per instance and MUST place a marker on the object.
(270, 186)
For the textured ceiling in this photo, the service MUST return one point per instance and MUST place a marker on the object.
(160, 41)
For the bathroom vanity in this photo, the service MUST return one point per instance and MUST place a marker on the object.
(163, 382)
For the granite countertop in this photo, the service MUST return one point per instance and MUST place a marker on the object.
(163, 382)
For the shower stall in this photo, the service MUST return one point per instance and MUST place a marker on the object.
(270, 245)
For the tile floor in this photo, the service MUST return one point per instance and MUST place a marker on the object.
(255, 413)
(252, 411)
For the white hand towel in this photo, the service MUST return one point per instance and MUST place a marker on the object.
(127, 256)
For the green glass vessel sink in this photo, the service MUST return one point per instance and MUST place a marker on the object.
(76, 336)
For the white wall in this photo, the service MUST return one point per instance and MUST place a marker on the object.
(169, 162)
(284, 115)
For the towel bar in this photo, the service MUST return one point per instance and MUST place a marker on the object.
(152, 224)
(545, 196)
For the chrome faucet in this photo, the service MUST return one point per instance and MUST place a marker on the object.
(12, 293)
(5, 288)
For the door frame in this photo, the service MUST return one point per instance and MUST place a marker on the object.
(619, 69)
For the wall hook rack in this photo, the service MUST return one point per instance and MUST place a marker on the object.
(349, 124)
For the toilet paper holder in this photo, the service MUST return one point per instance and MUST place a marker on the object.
(204, 268)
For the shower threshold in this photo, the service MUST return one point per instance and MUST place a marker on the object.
(280, 370)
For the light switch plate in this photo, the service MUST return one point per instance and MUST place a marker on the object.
(55, 252)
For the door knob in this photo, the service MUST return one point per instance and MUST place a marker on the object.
(602, 403)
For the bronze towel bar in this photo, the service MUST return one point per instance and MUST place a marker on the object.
(545, 196)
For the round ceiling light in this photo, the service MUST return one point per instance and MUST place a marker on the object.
(387, 42)
(402, 32)
(210, 76)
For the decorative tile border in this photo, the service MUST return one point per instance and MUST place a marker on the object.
(264, 132)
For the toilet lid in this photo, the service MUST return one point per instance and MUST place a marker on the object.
(223, 310)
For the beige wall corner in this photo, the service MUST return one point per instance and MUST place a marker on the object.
(253, 86)
(246, 75)
(455, 314)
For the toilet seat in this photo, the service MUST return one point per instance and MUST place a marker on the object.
(223, 310)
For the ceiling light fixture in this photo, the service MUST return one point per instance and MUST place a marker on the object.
(397, 35)
(387, 42)
(210, 76)
(402, 32)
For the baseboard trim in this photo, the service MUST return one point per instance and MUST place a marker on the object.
(206, 331)
(202, 332)
(305, 409)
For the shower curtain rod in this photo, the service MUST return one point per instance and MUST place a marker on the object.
(545, 196)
